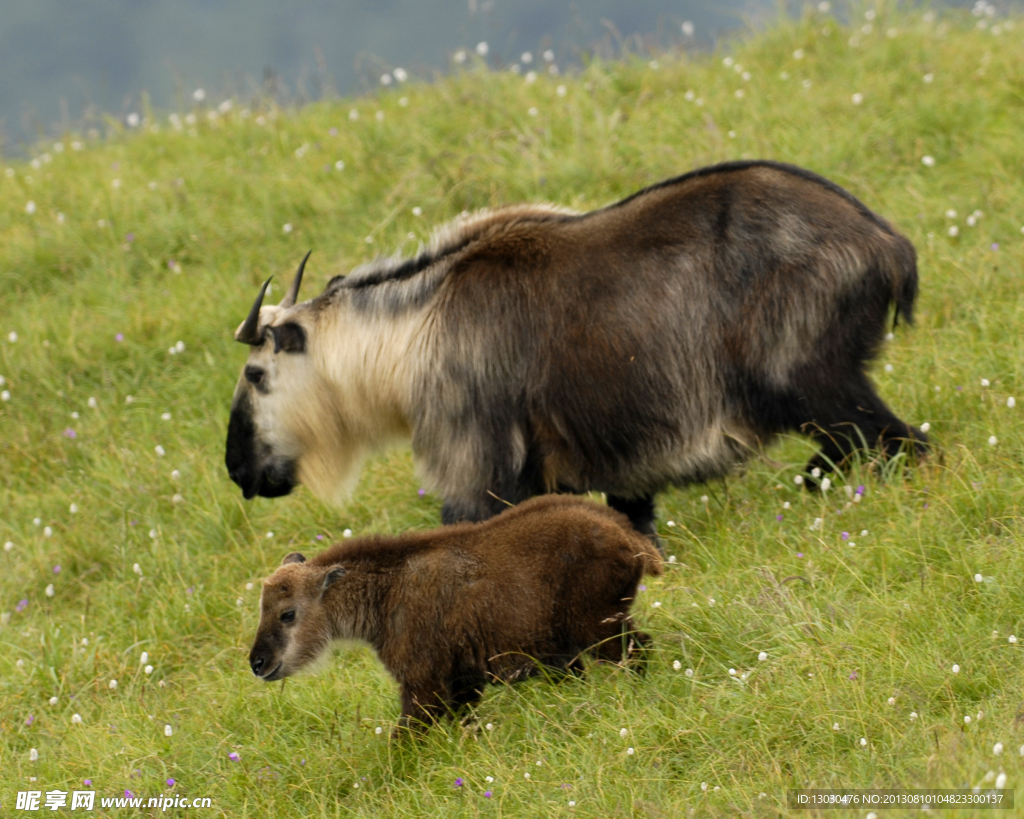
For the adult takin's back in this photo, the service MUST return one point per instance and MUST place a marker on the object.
(660, 340)
(450, 610)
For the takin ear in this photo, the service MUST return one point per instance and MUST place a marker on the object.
(289, 337)
(293, 557)
(334, 574)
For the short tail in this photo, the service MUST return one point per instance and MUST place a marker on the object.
(648, 554)
(904, 280)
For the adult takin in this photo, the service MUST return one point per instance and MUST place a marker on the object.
(450, 610)
(660, 340)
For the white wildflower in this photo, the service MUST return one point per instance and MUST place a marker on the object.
(168, 731)
(928, 161)
(112, 685)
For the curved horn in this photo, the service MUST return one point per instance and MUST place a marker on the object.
(247, 333)
(293, 291)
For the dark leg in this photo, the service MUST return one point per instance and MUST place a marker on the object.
(466, 691)
(625, 646)
(638, 647)
(848, 420)
(420, 709)
(640, 512)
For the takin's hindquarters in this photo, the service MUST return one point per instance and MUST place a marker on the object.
(450, 610)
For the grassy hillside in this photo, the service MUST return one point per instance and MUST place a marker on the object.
(885, 624)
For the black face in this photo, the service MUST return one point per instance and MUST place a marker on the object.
(249, 463)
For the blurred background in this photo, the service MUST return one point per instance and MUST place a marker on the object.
(67, 64)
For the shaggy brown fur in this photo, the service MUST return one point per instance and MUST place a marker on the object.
(452, 609)
(660, 340)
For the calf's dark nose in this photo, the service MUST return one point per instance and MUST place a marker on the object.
(257, 664)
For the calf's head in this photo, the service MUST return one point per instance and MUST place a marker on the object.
(294, 628)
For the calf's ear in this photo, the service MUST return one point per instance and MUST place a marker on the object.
(334, 574)
(293, 557)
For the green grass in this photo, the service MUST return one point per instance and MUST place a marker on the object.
(844, 627)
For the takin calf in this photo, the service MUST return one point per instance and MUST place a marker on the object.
(660, 340)
(452, 609)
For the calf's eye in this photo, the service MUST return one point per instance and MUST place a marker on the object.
(288, 617)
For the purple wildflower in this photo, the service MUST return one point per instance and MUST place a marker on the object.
(170, 782)
(860, 490)
(846, 535)
(853, 675)
(799, 554)
(130, 237)
(128, 794)
(87, 782)
(56, 569)
(22, 605)
(119, 337)
(488, 794)
(641, 587)
(70, 433)
(189, 590)
(319, 537)
(778, 517)
(458, 782)
(234, 757)
(421, 492)
(995, 245)
(303, 762)
(31, 719)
